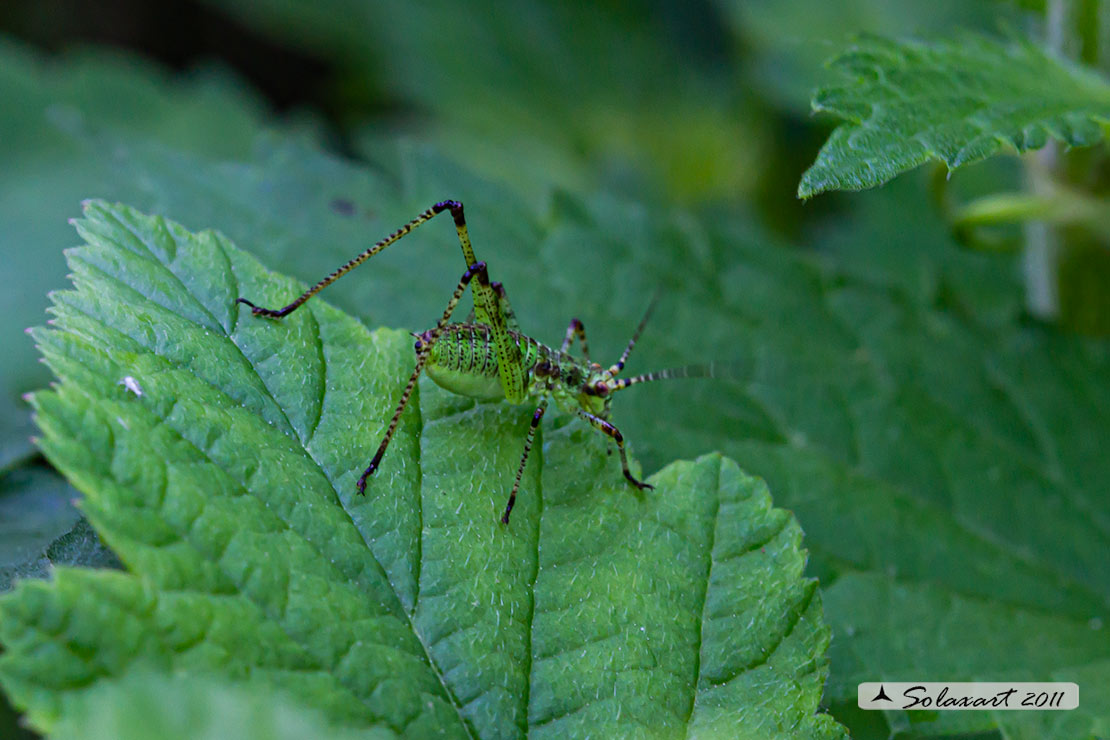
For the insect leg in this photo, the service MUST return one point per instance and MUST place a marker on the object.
(485, 299)
(503, 306)
(506, 309)
(536, 416)
(607, 428)
(478, 269)
(427, 215)
(576, 329)
(488, 310)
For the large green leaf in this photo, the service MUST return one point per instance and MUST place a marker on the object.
(917, 253)
(222, 472)
(955, 101)
(915, 438)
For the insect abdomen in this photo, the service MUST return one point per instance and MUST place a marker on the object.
(464, 361)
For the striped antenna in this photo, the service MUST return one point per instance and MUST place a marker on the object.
(703, 370)
(615, 369)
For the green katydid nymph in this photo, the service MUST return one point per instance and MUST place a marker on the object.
(489, 358)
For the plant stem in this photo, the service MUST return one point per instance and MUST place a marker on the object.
(1042, 244)
(1042, 241)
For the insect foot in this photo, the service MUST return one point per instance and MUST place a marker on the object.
(361, 485)
(267, 312)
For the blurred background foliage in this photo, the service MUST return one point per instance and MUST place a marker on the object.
(681, 126)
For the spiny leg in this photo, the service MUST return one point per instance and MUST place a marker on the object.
(498, 315)
(576, 329)
(478, 269)
(464, 240)
(615, 369)
(536, 416)
(487, 301)
(607, 428)
(490, 309)
(506, 309)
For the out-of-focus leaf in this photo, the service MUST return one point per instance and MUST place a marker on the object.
(573, 93)
(982, 641)
(53, 113)
(955, 101)
(223, 474)
(896, 236)
(40, 528)
(915, 433)
(144, 704)
(787, 41)
(35, 510)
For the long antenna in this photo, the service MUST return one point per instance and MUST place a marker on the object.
(702, 370)
(615, 369)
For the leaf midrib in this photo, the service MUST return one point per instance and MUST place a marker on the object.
(369, 550)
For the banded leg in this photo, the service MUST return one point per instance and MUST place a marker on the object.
(428, 215)
(487, 303)
(605, 427)
(488, 311)
(536, 416)
(478, 269)
(576, 329)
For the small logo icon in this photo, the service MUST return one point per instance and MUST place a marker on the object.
(881, 696)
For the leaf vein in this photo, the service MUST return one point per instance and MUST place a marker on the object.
(704, 600)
